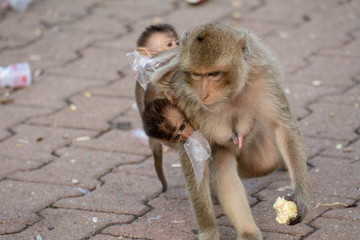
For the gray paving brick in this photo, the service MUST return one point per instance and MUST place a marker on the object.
(35, 143)
(77, 167)
(119, 141)
(90, 113)
(121, 193)
(342, 229)
(327, 121)
(171, 219)
(26, 200)
(69, 224)
(51, 92)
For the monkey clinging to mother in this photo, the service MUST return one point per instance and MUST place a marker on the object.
(227, 83)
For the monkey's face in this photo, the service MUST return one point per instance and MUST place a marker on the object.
(161, 42)
(212, 60)
(177, 121)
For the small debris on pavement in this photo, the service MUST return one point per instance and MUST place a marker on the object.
(95, 219)
(73, 107)
(339, 146)
(330, 204)
(176, 165)
(84, 138)
(154, 218)
(316, 83)
(74, 181)
(87, 94)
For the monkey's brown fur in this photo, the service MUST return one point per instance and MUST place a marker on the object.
(226, 82)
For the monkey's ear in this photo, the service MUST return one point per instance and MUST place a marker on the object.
(184, 38)
(244, 46)
(144, 51)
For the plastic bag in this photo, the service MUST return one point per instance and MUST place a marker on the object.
(143, 67)
(198, 150)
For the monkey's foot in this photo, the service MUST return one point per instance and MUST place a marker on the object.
(209, 236)
(250, 236)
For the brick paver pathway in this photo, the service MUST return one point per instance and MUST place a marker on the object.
(70, 166)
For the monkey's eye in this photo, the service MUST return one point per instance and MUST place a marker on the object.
(214, 74)
(196, 76)
(169, 44)
(182, 126)
(177, 137)
(177, 43)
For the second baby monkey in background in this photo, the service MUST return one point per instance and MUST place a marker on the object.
(162, 121)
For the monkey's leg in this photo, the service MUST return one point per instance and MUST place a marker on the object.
(200, 200)
(292, 150)
(157, 152)
(232, 196)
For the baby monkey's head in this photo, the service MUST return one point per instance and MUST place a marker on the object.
(156, 39)
(164, 121)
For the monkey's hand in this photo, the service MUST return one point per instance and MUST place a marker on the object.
(301, 205)
(237, 139)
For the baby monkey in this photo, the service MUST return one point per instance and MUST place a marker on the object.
(162, 121)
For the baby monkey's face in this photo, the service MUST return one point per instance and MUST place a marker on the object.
(161, 42)
(177, 121)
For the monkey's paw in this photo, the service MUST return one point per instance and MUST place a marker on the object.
(209, 236)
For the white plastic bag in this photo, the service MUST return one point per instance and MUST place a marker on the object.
(198, 150)
(143, 67)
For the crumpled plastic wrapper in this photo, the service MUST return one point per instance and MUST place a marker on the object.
(198, 150)
(143, 67)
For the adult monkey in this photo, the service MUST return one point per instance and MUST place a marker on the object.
(227, 83)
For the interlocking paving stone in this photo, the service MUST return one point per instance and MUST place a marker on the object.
(99, 64)
(51, 91)
(69, 224)
(120, 193)
(350, 152)
(26, 200)
(80, 46)
(341, 229)
(124, 87)
(118, 140)
(342, 182)
(77, 167)
(90, 113)
(327, 121)
(11, 115)
(171, 219)
(36, 143)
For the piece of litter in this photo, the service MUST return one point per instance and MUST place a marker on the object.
(38, 32)
(282, 189)
(73, 107)
(331, 114)
(330, 204)
(84, 138)
(82, 190)
(154, 218)
(182, 221)
(176, 165)
(287, 91)
(73, 160)
(339, 146)
(357, 105)
(23, 141)
(316, 83)
(87, 94)
(74, 181)
(95, 219)
(38, 237)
